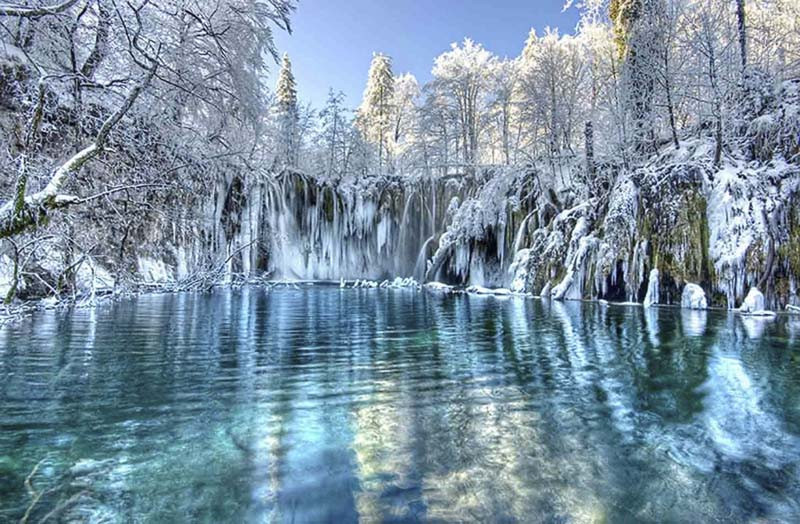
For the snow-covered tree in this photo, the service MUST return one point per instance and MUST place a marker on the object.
(377, 106)
(404, 112)
(503, 108)
(462, 77)
(639, 39)
(287, 113)
(551, 91)
(335, 134)
(99, 72)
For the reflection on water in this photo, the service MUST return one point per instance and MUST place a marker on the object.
(329, 405)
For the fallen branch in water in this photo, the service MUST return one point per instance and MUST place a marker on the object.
(64, 506)
(35, 495)
(201, 281)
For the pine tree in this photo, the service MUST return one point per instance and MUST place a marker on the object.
(288, 113)
(375, 112)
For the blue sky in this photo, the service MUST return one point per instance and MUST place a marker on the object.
(333, 40)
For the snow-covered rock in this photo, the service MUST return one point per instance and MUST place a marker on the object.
(400, 283)
(545, 293)
(693, 297)
(438, 287)
(753, 302)
(480, 290)
(652, 296)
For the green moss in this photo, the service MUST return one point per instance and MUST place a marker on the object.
(686, 234)
(299, 185)
(588, 286)
(790, 250)
(328, 203)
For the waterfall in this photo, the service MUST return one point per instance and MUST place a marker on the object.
(521, 232)
(422, 258)
(293, 227)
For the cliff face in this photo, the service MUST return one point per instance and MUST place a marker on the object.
(726, 229)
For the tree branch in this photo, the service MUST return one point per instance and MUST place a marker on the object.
(16, 216)
(27, 12)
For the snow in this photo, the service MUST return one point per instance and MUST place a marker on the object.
(11, 54)
(693, 297)
(438, 287)
(397, 283)
(753, 303)
(321, 231)
(152, 270)
(92, 277)
(571, 286)
(503, 229)
(480, 290)
(365, 284)
(746, 207)
(400, 283)
(519, 270)
(6, 275)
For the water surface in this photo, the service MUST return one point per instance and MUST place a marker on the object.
(326, 405)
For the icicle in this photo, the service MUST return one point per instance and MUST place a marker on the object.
(652, 296)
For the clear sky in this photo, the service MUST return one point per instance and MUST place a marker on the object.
(333, 40)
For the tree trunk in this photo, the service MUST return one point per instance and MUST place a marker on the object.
(670, 106)
(20, 213)
(717, 107)
(742, 27)
(588, 133)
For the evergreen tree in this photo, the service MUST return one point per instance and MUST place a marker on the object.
(288, 114)
(375, 112)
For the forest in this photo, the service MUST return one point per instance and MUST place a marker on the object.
(650, 154)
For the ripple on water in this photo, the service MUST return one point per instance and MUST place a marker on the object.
(320, 404)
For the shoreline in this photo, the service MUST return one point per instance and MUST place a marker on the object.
(12, 313)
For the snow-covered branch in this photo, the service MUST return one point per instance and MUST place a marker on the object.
(23, 212)
(22, 11)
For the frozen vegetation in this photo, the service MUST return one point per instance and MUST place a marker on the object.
(653, 157)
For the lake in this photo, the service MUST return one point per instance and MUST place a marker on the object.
(320, 404)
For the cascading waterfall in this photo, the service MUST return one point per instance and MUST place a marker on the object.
(293, 227)
(422, 258)
(325, 232)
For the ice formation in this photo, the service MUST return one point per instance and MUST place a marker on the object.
(693, 297)
(652, 296)
(753, 302)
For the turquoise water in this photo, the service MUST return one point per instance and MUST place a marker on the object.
(325, 405)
